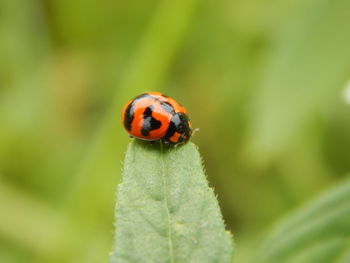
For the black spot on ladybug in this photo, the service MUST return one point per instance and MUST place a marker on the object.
(149, 123)
(148, 96)
(171, 130)
(148, 111)
(168, 108)
(129, 116)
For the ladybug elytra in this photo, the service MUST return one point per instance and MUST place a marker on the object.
(153, 116)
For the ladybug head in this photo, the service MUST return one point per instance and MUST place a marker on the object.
(179, 129)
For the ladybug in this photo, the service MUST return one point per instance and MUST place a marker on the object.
(154, 117)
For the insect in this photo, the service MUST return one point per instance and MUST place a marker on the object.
(153, 117)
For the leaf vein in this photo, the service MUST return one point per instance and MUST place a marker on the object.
(171, 252)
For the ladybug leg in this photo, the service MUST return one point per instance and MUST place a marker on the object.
(130, 136)
(166, 143)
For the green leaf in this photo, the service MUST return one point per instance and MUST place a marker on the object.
(319, 232)
(165, 210)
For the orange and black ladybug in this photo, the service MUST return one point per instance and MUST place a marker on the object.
(153, 116)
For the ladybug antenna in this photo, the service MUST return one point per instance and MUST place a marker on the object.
(195, 130)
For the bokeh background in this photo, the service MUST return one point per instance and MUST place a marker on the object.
(263, 80)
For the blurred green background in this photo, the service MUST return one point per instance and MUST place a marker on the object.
(263, 80)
